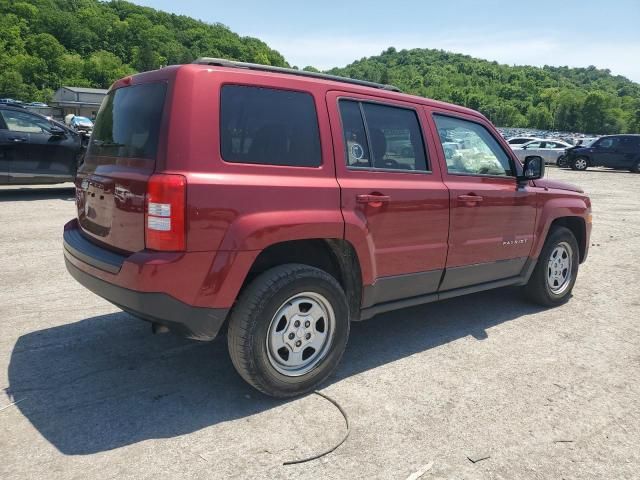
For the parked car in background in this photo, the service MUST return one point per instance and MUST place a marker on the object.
(614, 151)
(581, 142)
(36, 150)
(285, 204)
(549, 150)
(520, 140)
(11, 102)
(81, 125)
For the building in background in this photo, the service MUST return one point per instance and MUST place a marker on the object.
(78, 101)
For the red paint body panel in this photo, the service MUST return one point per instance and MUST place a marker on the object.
(234, 211)
(409, 233)
(506, 211)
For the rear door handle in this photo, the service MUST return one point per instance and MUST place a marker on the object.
(373, 198)
(18, 139)
(470, 198)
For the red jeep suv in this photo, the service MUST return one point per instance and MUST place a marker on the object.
(279, 205)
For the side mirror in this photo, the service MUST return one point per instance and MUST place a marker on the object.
(56, 131)
(524, 147)
(533, 169)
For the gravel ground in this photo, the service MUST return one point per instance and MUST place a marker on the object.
(539, 394)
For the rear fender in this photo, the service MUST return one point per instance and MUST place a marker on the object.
(257, 231)
(357, 233)
(251, 234)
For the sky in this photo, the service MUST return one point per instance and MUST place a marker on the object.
(332, 33)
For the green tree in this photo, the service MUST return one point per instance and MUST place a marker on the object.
(594, 113)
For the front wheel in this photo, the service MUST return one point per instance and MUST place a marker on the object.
(636, 167)
(580, 163)
(555, 273)
(289, 329)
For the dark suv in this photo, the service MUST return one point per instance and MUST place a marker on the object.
(280, 205)
(613, 151)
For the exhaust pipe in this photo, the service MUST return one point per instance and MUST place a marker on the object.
(156, 328)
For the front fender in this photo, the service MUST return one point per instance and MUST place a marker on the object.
(560, 207)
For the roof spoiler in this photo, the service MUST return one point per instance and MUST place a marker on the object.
(221, 62)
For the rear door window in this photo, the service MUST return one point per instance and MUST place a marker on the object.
(355, 137)
(128, 123)
(269, 126)
(382, 137)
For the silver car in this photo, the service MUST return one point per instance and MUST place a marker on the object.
(549, 150)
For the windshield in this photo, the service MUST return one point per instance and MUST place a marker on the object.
(128, 123)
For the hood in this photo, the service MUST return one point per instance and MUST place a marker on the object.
(547, 183)
(580, 147)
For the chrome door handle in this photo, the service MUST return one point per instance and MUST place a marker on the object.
(373, 198)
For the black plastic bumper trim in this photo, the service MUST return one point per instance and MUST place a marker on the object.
(198, 323)
(90, 253)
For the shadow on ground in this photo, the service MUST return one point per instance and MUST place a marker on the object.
(105, 382)
(27, 194)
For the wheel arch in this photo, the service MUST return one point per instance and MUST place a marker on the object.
(335, 256)
(578, 227)
(572, 212)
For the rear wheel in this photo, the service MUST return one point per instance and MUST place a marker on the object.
(289, 330)
(580, 163)
(636, 167)
(555, 273)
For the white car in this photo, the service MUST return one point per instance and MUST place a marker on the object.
(549, 150)
(517, 141)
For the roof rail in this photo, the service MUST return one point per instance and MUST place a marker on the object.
(221, 62)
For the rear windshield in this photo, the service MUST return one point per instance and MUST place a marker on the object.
(128, 122)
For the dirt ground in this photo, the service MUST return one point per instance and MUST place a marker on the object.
(524, 392)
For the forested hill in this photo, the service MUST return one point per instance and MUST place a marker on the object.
(48, 43)
(86, 43)
(569, 99)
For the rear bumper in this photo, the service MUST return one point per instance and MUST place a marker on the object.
(84, 259)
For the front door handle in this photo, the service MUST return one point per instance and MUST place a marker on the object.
(17, 139)
(373, 199)
(470, 198)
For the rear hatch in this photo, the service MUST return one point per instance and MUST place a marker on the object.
(122, 154)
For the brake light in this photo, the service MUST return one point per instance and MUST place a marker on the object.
(165, 227)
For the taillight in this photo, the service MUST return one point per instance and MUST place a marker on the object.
(165, 227)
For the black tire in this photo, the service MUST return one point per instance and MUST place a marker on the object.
(538, 289)
(252, 316)
(580, 163)
(636, 167)
(562, 161)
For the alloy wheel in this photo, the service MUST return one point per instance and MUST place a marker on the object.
(559, 268)
(300, 334)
